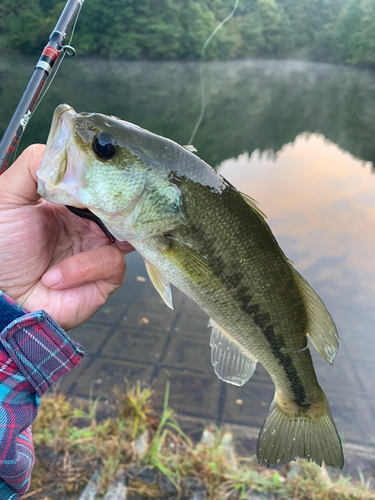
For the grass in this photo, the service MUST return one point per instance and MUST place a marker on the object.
(71, 443)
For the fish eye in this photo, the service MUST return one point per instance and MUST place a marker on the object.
(104, 145)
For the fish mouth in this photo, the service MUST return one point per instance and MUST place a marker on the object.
(58, 126)
(85, 213)
(57, 173)
(55, 168)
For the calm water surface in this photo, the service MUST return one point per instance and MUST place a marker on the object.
(298, 138)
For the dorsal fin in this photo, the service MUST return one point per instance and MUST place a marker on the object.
(254, 204)
(230, 361)
(321, 327)
(261, 216)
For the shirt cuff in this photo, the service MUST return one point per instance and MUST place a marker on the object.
(39, 347)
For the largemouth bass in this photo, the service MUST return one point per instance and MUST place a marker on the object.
(197, 232)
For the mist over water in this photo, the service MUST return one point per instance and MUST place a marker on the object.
(251, 105)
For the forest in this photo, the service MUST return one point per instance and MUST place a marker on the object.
(336, 31)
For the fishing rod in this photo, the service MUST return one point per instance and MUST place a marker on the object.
(55, 50)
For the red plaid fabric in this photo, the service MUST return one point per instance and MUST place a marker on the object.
(34, 354)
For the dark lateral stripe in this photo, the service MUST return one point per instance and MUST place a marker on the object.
(263, 321)
(233, 282)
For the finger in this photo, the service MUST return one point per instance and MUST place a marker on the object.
(105, 263)
(124, 246)
(19, 183)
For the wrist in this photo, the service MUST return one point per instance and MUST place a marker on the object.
(9, 310)
(38, 346)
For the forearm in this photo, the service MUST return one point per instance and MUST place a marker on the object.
(34, 354)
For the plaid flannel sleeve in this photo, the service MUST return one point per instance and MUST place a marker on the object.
(34, 354)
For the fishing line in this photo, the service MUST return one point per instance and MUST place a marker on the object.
(40, 279)
(203, 107)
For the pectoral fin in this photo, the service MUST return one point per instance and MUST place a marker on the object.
(231, 363)
(191, 264)
(161, 285)
(320, 328)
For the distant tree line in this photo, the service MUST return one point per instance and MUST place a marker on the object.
(341, 31)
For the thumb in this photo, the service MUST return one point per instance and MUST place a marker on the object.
(18, 184)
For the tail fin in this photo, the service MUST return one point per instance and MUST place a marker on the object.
(310, 434)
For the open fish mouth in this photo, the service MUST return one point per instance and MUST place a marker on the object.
(58, 173)
(57, 143)
(85, 213)
(62, 167)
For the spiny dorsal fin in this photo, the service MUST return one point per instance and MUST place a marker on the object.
(321, 328)
(254, 204)
(231, 363)
(261, 216)
(161, 285)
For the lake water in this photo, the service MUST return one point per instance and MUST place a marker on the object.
(297, 137)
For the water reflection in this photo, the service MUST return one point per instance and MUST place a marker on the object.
(251, 105)
(320, 203)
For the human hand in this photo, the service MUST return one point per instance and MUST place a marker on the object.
(33, 233)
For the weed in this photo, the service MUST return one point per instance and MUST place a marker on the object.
(72, 442)
(134, 405)
(168, 436)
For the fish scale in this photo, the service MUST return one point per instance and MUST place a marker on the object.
(197, 232)
(235, 320)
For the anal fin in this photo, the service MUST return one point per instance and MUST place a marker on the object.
(231, 363)
(161, 284)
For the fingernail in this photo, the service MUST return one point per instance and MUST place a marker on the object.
(52, 278)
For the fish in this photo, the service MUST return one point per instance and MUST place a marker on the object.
(197, 232)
